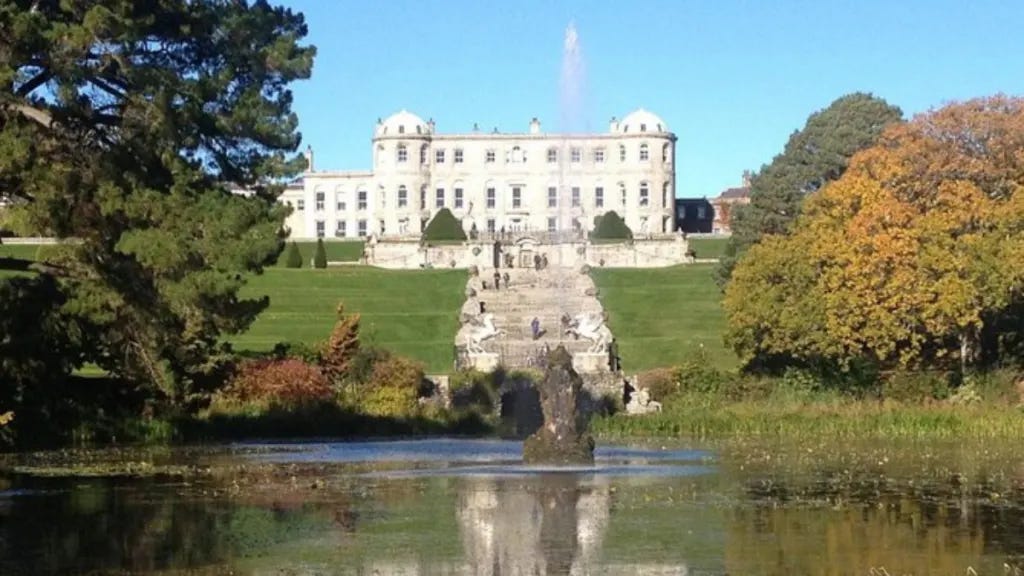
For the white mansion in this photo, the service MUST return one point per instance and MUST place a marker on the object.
(493, 181)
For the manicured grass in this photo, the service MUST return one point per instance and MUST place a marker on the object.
(337, 251)
(21, 251)
(662, 316)
(410, 312)
(709, 247)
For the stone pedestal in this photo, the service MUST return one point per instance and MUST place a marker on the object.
(590, 362)
(484, 362)
(563, 438)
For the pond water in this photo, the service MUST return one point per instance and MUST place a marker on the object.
(471, 507)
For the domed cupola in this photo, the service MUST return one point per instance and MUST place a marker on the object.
(402, 124)
(641, 121)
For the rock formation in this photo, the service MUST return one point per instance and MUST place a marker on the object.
(563, 438)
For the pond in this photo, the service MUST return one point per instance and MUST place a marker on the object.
(470, 507)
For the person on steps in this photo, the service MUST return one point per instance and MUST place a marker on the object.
(535, 327)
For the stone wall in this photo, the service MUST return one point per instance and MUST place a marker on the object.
(646, 253)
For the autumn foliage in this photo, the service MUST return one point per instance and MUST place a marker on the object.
(913, 258)
(341, 348)
(287, 382)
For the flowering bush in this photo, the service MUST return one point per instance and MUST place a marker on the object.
(393, 388)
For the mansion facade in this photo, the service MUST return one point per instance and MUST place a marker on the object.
(492, 182)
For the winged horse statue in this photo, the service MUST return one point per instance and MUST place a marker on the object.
(590, 327)
(482, 331)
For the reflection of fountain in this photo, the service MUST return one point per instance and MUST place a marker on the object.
(553, 525)
(563, 438)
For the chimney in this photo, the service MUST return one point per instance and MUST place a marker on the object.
(309, 158)
(476, 127)
(534, 126)
(430, 125)
(613, 126)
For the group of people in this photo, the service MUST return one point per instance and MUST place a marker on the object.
(540, 261)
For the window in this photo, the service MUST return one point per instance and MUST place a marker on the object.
(552, 224)
(517, 197)
(439, 156)
(599, 156)
(664, 153)
(575, 196)
(622, 153)
(622, 192)
(552, 155)
(401, 128)
(599, 197)
(664, 195)
(643, 127)
(403, 154)
(439, 198)
(576, 155)
(361, 200)
(643, 153)
(491, 225)
(319, 228)
(458, 155)
(423, 197)
(517, 155)
(701, 213)
(339, 228)
(319, 201)
(492, 199)
(458, 197)
(552, 197)
(423, 154)
(644, 194)
(362, 228)
(340, 201)
(403, 197)
(300, 205)
(380, 227)
(489, 158)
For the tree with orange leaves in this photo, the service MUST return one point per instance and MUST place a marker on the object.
(912, 258)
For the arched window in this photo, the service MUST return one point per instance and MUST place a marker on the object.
(403, 196)
(622, 152)
(645, 194)
(423, 154)
(644, 155)
(403, 154)
(664, 153)
(664, 195)
(401, 128)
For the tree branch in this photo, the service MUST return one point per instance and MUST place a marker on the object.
(40, 116)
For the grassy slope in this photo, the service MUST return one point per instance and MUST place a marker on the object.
(411, 312)
(709, 247)
(337, 251)
(661, 316)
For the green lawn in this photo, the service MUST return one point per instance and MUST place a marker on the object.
(337, 251)
(661, 316)
(709, 247)
(411, 312)
(21, 251)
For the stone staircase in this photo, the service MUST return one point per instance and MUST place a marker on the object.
(546, 295)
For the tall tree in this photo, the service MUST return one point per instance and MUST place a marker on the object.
(912, 258)
(122, 124)
(814, 156)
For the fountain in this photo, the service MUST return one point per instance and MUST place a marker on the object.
(563, 438)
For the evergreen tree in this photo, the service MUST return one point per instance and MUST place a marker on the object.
(294, 257)
(122, 125)
(610, 226)
(814, 156)
(444, 226)
(320, 257)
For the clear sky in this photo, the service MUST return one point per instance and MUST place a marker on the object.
(732, 78)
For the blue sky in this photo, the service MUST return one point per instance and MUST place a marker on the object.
(732, 78)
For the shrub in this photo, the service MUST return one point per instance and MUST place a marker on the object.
(286, 382)
(320, 257)
(611, 226)
(905, 386)
(659, 382)
(475, 389)
(294, 258)
(394, 388)
(444, 226)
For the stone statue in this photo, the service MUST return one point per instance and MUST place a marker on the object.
(641, 403)
(483, 331)
(590, 327)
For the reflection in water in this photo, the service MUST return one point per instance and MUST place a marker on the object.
(554, 524)
(314, 519)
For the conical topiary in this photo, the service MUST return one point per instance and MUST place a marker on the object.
(320, 257)
(294, 258)
(444, 226)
